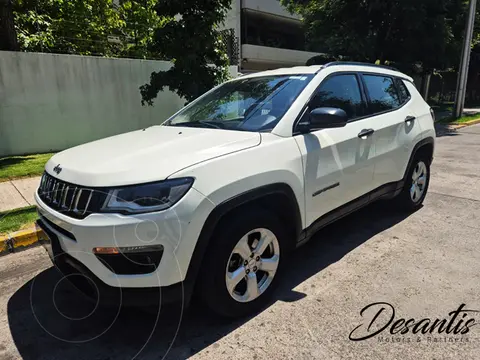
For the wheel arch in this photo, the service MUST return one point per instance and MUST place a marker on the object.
(279, 198)
(424, 146)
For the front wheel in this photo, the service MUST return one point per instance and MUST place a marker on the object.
(243, 263)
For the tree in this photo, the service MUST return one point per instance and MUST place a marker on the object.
(139, 21)
(83, 26)
(406, 32)
(190, 38)
(34, 29)
(87, 27)
(8, 36)
(78, 27)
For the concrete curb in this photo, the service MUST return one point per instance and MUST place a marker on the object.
(453, 123)
(465, 124)
(20, 240)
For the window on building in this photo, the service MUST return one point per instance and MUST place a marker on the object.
(340, 91)
(382, 92)
(262, 30)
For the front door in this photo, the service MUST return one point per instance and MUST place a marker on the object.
(338, 163)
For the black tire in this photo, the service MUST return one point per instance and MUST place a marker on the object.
(213, 288)
(404, 199)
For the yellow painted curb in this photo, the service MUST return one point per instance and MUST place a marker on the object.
(21, 239)
(465, 124)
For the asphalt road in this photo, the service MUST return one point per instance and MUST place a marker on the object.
(424, 265)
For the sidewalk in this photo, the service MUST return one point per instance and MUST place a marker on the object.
(17, 193)
(471, 111)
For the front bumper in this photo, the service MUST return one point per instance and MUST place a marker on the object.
(97, 290)
(175, 229)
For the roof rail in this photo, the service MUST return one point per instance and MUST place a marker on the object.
(335, 63)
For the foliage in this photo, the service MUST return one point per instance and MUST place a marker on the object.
(86, 27)
(139, 20)
(322, 59)
(67, 26)
(461, 120)
(190, 38)
(406, 32)
(34, 31)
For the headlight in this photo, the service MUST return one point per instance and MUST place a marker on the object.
(137, 199)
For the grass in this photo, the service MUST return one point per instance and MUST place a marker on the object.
(14, 167)
(461, 120)
(17, 219)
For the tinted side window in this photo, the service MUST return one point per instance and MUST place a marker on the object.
(340, 91)
(383, 93)
(402, 88)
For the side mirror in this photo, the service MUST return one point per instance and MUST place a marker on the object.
(327, 118)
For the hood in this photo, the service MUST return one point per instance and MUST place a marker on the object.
(145, 155)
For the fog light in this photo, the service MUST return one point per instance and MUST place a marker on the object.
(130, 259)
(106, 250)
(126, 249)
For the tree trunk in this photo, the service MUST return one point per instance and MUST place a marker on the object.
(8, 35)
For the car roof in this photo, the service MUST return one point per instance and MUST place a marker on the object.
(344, 66)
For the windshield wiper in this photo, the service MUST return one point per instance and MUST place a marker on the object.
(198, 124)
(213, 124)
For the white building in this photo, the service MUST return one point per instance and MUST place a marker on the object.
(268, 35)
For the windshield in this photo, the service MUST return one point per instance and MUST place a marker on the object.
(251, 104)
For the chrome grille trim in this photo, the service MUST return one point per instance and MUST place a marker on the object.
(42, 182)
(60, 193)
(64, 197)
(69, 199)
(48, 193)
(88, 202)
(77, 199)
(73, 198)
(55, 192)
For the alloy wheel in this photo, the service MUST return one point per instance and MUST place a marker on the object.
(419, 179)
(252, 265)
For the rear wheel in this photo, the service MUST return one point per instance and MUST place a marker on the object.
(416, 184)
(243, 263)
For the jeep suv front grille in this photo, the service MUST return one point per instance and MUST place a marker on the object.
(69, 199)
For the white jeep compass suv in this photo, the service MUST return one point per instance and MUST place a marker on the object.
(214, 200)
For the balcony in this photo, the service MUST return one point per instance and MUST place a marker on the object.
(269, 42)
(271, 7)
(255, 57)
(262, 30)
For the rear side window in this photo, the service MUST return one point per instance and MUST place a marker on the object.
(340, 91)
(383, 93)
(402, 89)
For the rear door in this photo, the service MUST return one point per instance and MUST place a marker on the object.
(395, 124)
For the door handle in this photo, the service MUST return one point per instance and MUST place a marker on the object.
(365, 133)
(410, 118)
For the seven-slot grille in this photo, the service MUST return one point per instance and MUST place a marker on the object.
(69, 199)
